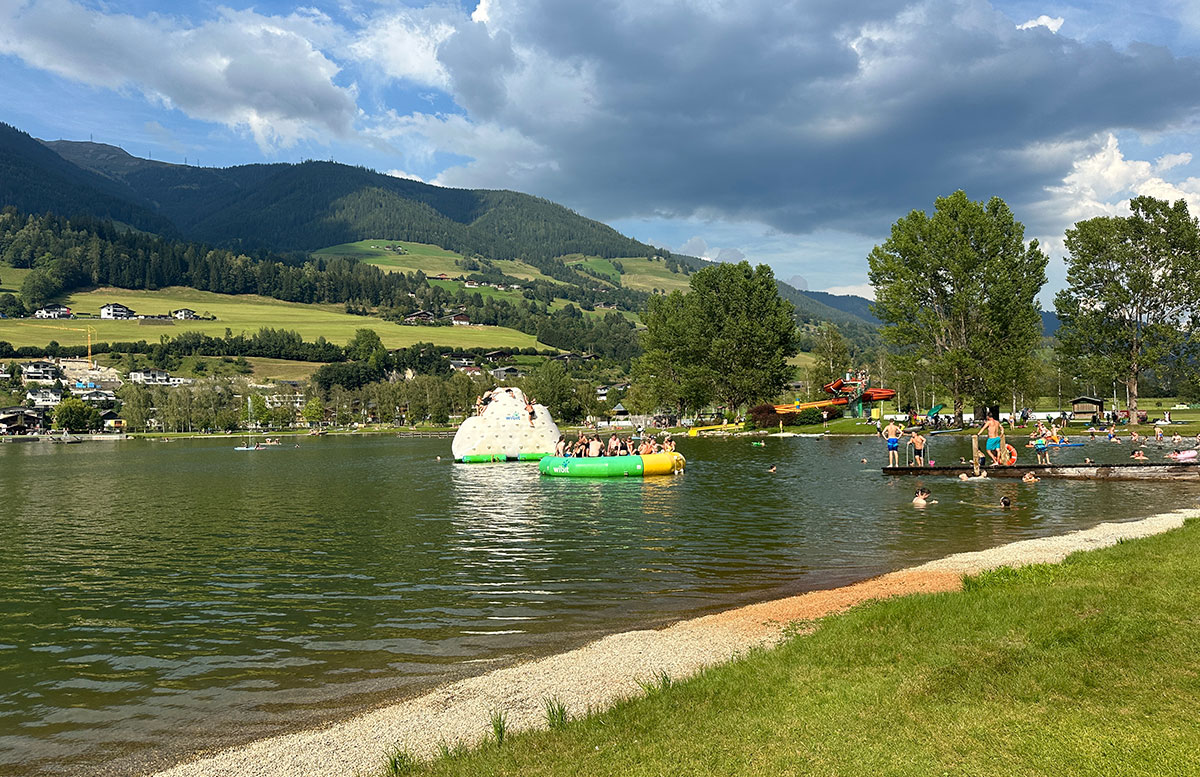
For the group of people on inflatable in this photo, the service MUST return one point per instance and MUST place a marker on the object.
(485, 399)
(591, 445)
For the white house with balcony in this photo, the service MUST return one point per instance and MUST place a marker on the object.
(117, 311)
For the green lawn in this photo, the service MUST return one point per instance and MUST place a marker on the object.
(1083, 668)
(429, 259)
(241, 313)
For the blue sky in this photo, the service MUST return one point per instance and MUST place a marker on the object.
(792, 133)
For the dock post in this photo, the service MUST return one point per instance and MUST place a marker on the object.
(975, 453)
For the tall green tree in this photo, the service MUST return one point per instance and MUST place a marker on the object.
(1131, 299)
(727, 340)
(957, 291)
(74, 415)
(550, 385)
(832, 356)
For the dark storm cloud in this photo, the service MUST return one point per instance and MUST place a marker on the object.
(801, 115)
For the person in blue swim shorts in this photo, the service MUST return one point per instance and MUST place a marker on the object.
(991, 427)
(892, 433)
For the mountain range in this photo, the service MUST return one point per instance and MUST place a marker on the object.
(285, 207)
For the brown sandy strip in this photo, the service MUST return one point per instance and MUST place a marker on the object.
(600, 674)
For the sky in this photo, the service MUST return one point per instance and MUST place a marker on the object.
(791, 133)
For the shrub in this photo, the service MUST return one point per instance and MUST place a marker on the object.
(809, 416)
(762, 417)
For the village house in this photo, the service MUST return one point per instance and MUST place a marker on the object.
(420, 317)
(184, 314)
(44, 397)
(116, 311)
(39, 372)
(459, 319)
(96, 396)
(113, 422)
(508, 372)
(20, 420)
(53, 311)
(156, 378)
(602, 392)
(289, 398)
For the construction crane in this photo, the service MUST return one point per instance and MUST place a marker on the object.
(88, 330)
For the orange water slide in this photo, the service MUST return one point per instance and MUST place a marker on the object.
(796, 407)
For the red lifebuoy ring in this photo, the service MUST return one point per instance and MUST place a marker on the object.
(1012, 455)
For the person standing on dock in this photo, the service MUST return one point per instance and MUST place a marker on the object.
(917, 441)
(992, 428)
(892, 433)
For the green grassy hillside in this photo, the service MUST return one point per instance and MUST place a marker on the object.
(243, 313)
(397, 256)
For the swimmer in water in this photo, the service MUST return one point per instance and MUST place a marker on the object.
(1005, 502)
(771, 468)
(1029, 477)
(921, 498)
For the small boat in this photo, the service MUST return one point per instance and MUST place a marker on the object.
(644, 465)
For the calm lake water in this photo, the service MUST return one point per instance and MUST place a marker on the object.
(158, 599)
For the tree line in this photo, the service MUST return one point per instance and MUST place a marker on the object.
(957, 292)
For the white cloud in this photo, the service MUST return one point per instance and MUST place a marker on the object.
(404, 175)
(1102, 183)
(264, 74)
(858, 290)
(1051, 24)
(695, 246)
(404, 45)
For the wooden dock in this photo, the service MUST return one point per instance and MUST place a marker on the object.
(1188, 471)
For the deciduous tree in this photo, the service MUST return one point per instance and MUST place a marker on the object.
(957, 291)
(728, 339)
(1131, 301)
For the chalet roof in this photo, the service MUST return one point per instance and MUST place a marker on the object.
(1092, 400)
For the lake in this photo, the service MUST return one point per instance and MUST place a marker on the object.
(163, 598)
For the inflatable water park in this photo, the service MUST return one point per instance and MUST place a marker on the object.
(644, 465)
(508, 426)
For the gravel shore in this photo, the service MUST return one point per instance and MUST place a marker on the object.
(610, 669)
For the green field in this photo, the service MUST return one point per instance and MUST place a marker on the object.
(241, 313)
(641, 272)
(430, 260)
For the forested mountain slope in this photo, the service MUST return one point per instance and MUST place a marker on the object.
(34, 179)
(306, 206)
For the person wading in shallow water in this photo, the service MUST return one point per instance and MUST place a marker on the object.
(991, 427)
(892, 433)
